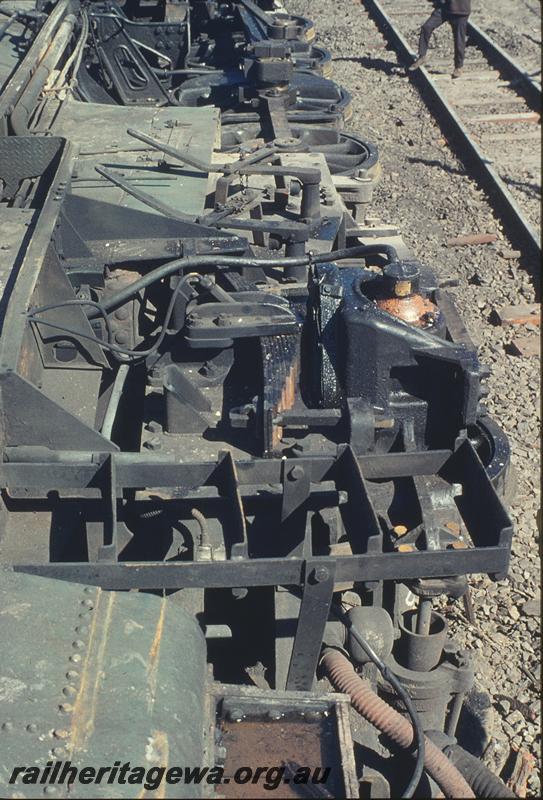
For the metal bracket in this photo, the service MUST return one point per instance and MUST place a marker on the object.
(314, 610)
(296, 488)
(109, 551)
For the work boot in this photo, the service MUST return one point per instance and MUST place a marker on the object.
(457, 72)
(418, 63)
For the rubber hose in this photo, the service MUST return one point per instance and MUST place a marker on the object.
(390, 722)
(197, 262)
(483, 782)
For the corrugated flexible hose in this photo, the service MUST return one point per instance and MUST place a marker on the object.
(369, 705)
(483, 782)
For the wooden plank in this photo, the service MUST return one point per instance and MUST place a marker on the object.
(415, 12)
(526, 346)
(486, 75)
(443, 62)
(472, 238)
(529, 116)
(487, 101)
(523, 157)
(525, 314)
(528, 136)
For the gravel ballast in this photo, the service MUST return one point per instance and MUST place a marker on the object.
(426, 192)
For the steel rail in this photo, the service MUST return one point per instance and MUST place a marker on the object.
(469, 152)
(503, 61)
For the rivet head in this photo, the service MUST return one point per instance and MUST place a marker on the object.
(32, 727)
(321, 574)
(7, 726)
(82, 629)
(76, 658)
(235, 715)
(78, 644)
(89, 590)
(61, 733)
(88, 603)
(71, 674)
(60, 752)
(69, 691)
(66, 708)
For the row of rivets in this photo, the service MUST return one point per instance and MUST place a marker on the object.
(69, 690)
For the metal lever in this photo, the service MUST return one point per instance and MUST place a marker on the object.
(144, 197)
(186, 158)
(309, 177)
(294, 230)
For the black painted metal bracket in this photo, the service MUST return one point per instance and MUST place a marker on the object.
(315, 608)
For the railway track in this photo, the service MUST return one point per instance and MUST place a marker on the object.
(491, 115)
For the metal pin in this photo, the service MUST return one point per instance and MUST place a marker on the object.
(468, 607)
(424, 617)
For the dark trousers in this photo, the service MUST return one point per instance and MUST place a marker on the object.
(459, 25)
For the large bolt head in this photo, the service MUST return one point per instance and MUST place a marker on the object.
(296, 473)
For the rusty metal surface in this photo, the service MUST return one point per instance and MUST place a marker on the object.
(257, 726)
(415, 310)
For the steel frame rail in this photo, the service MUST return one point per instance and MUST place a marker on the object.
(101, 480)
(14, 89)
(470, 152)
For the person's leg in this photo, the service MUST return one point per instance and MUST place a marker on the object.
(460, 27)
(427, 30)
